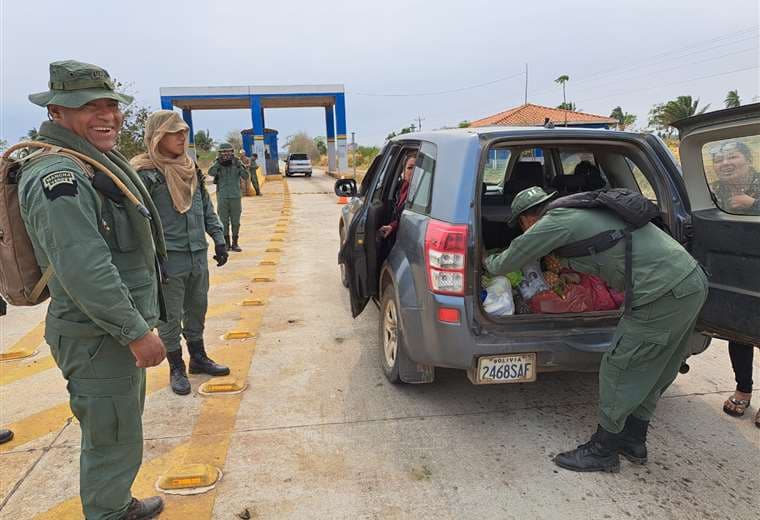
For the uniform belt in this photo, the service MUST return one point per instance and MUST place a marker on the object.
(100, 387)
(73, 329)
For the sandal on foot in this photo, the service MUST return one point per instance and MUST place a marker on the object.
(735, 407)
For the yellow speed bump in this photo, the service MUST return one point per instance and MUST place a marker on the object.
(238, 334)
(273, 250)
(253, 302)
(277, 239)
(263, 279)
(267, 262)
(13, 355)
(189, 479)
(222, 385)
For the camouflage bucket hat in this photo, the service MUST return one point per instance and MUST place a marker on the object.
(527, 199)
(73, 84)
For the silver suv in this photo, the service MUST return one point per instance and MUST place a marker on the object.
(427, 281)
(298, 163)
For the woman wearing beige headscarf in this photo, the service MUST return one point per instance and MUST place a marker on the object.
(187, 214)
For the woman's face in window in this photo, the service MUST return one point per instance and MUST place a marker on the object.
(409, 169)
(732, 166)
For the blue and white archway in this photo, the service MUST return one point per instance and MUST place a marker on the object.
(260, 98)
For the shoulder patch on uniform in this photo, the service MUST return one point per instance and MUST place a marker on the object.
(61, 183)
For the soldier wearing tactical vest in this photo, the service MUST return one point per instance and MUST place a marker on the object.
(187, 215)
(227, 172)
(105, 292)
(650, 342)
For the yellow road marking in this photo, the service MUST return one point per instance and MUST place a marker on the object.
(13, 371)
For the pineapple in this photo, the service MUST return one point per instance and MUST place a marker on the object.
(552, 264)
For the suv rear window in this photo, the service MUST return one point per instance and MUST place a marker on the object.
(299, 157)
(731, 169)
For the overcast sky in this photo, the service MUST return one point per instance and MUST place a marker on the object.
(628, 53)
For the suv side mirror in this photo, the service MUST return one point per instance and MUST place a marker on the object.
(345, 188)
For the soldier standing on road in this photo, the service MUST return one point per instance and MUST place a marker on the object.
(252, 170)
(105, 289)
(187, 215)
(227, 172)
(649, 345)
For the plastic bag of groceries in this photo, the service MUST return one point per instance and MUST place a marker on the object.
(498, 300)
(533, 281)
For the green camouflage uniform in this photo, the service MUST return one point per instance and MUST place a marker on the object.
(186, 291)
(104, 295)
(228, 194)
(669, 290)
(254, 178)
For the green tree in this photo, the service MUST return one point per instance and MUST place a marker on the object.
(302, 143)
(463, 124)
(133, 130)
(321, 144)
(3, 145)
(562, 80)
(732, 99)
(567, 106)
(662, 115)
(32, 134)
(624, 119)
(235, 138)
(203, 140)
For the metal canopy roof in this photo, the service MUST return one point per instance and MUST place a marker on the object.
(271, 96)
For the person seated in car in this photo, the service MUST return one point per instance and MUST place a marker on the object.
(389, 229)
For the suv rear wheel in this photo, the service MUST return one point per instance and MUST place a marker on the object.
(391, 339)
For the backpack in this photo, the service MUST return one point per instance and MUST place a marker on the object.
(22, 282)
(632, 207)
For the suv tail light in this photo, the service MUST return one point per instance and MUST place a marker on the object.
(446, 256)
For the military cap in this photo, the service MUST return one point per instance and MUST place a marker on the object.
(526, 199)
(225, 147)
(73, 84)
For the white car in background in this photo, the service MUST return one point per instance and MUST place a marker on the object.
(298, 163)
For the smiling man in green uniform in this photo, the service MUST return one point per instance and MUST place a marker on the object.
(104, 293)
(187, 215)
(649, 344)
(227, 172)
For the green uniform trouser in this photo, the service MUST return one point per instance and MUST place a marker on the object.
(647, 351)
(229, 213)
(255, 182)
(186, 297)
(107, 396)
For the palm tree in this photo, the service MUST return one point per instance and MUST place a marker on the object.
(680, 108)
(732, 99)
(562, 80)
(624, 119)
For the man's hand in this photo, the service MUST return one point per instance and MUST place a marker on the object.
(385, 231)
(741, 202)
(149, 350)
(220, 254)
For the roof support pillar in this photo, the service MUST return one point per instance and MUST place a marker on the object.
(340, 120)
(187, 115)
(257, 118)
(330, 124)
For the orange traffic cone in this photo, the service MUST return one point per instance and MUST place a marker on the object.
(342, 200)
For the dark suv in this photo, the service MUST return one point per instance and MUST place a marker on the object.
(427, 280)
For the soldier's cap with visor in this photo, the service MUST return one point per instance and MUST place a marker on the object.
(527, 199)
(74, 83)
(226, 147)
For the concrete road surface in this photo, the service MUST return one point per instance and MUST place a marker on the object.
(319, 433)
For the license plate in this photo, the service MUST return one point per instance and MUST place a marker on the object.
(512, 368)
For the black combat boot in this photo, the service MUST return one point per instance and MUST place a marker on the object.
(5, 436)
(633, 440)
(598, 454)
(227, 241)
(235, 246)
(177, 373)
(200, 363)
(144, 509)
